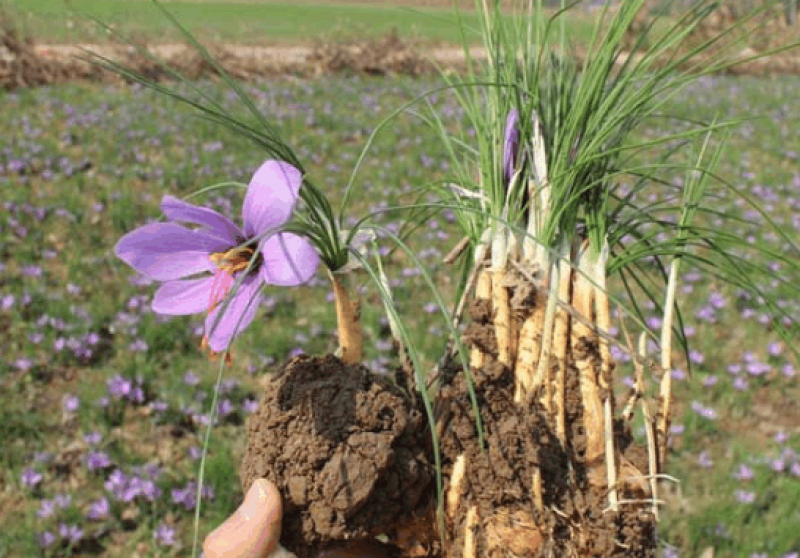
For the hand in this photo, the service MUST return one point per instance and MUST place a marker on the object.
(253, 530)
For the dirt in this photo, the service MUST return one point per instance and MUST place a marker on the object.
(25, 64)
(349, 452)
(517, 441)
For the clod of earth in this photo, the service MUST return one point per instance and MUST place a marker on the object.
(350, 454)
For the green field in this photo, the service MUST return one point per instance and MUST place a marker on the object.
(104, 402)
(241, 22)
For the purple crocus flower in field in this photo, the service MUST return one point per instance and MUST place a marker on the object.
(31, 477)
(170, 253)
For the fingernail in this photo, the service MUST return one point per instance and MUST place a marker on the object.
(257, 498)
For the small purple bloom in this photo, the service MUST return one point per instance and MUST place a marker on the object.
(774, 349)
(71, 533)
(31, 477)
(184, 496)
(47, 508)
(164, 535)
(249, 406)
(119, 386)
(696, 357)
(62, 500)
(159, 406)
(93, 438)
(7, 302)
(781, 437)
(71, 403)
(169, 252)
(96, 460)
(46, 539)
(138, 346)
(744, 496)
(195, 453)
(23, 363)
(704, 460)
(225, 407)
(99, 510)
(191, 379)
(228, 385)
(115, 483)
(149, 490)
(743, 472)
(710, 381)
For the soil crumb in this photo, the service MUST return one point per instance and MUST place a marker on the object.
(347, 449)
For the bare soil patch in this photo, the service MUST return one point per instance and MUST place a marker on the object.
(26, 64)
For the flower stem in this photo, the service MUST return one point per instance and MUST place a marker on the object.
(347, 321)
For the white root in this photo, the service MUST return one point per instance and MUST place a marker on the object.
(666, 359)
(542, 370)
(456, 490)
(470, 526)
(561, 343)
(652, 450)
(606, 366)
(593, 412)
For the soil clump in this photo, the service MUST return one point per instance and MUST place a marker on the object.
(349, 451)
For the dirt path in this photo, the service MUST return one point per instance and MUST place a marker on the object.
(25, 65)
(274, 54)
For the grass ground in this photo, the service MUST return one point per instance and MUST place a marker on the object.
(246, 21)
(104, 403)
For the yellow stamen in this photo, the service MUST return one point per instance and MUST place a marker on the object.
(228, 263)
(233, 260)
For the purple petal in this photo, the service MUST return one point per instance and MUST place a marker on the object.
(289, 260)
(239, 308)
(179, 298)
(270, 197)
(511, 144)
(165, 251)
(218, 225)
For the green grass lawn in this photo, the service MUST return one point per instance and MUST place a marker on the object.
(244, 22)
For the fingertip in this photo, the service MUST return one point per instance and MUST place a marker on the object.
(262, 498)
(253, 530)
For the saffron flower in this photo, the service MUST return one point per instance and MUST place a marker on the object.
(511, 149)
(171, 253)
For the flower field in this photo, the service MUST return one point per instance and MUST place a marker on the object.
(105, 403)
